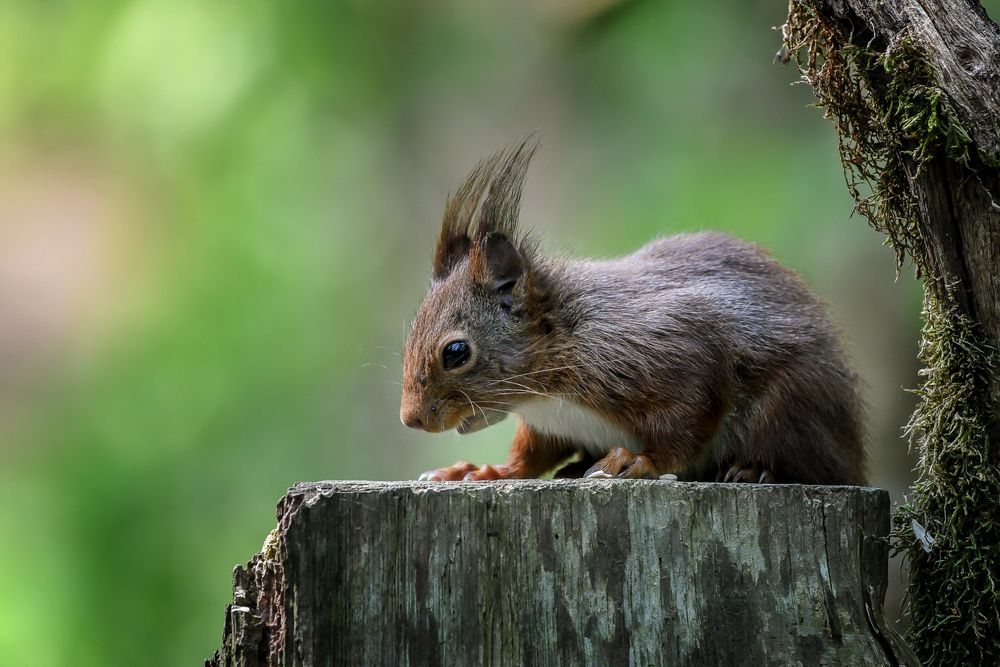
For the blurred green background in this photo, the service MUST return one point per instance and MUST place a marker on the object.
(216, 220)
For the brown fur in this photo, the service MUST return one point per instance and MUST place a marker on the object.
(701, 346)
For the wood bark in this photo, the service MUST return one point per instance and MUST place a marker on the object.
(568, 572)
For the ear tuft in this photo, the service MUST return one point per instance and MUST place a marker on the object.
(501, 205)
(487, 203)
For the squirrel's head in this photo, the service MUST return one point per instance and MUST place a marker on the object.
(471, 339)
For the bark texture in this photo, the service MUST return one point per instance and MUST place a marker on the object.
(595, 572)
(913, 89)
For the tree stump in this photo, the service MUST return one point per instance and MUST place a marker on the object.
(568, 572)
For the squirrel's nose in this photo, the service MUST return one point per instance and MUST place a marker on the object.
(411, 421)
(418, 416)
(411, 416)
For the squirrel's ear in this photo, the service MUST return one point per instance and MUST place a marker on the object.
(503, 262)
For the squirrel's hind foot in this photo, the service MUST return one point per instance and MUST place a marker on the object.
(623, 464)
(574, 469)
(747, 473)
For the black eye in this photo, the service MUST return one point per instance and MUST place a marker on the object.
(456, 354)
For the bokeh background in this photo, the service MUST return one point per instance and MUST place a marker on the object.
(216, 220)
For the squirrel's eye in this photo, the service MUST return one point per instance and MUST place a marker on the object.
(456, 354)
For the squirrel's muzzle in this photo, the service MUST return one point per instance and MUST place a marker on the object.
(411, 420)
(417, 414)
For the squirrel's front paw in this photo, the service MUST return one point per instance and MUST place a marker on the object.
(469, 472)
(449, 474)
(490, 472)
(622, 463)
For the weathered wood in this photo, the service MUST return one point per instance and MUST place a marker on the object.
(567, 572)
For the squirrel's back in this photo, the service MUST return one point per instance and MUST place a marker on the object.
(719, 315)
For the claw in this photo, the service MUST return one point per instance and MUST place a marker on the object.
(448, 474)
(598, 474)
(574, 470)
(750, 474)
(465, 471)
(640, 468)
(622, 463)
(487, 472)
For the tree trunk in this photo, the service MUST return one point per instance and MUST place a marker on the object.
(608, 572)
(913, 88)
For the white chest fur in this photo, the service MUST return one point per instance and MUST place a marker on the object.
(577, 424)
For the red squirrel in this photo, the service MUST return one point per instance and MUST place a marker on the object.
(697, 355)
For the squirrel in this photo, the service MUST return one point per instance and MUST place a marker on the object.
(697, 356)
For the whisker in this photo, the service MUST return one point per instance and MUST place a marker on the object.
(517, 384)
(536, 372)
(514, 392)
(472, 404)
(507, 412)
(561, 397)
(519, 392)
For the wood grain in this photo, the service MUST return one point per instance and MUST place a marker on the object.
(566, 572)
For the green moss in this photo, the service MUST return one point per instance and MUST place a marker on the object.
(917, 109)
(954, 600)
(893, 120)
